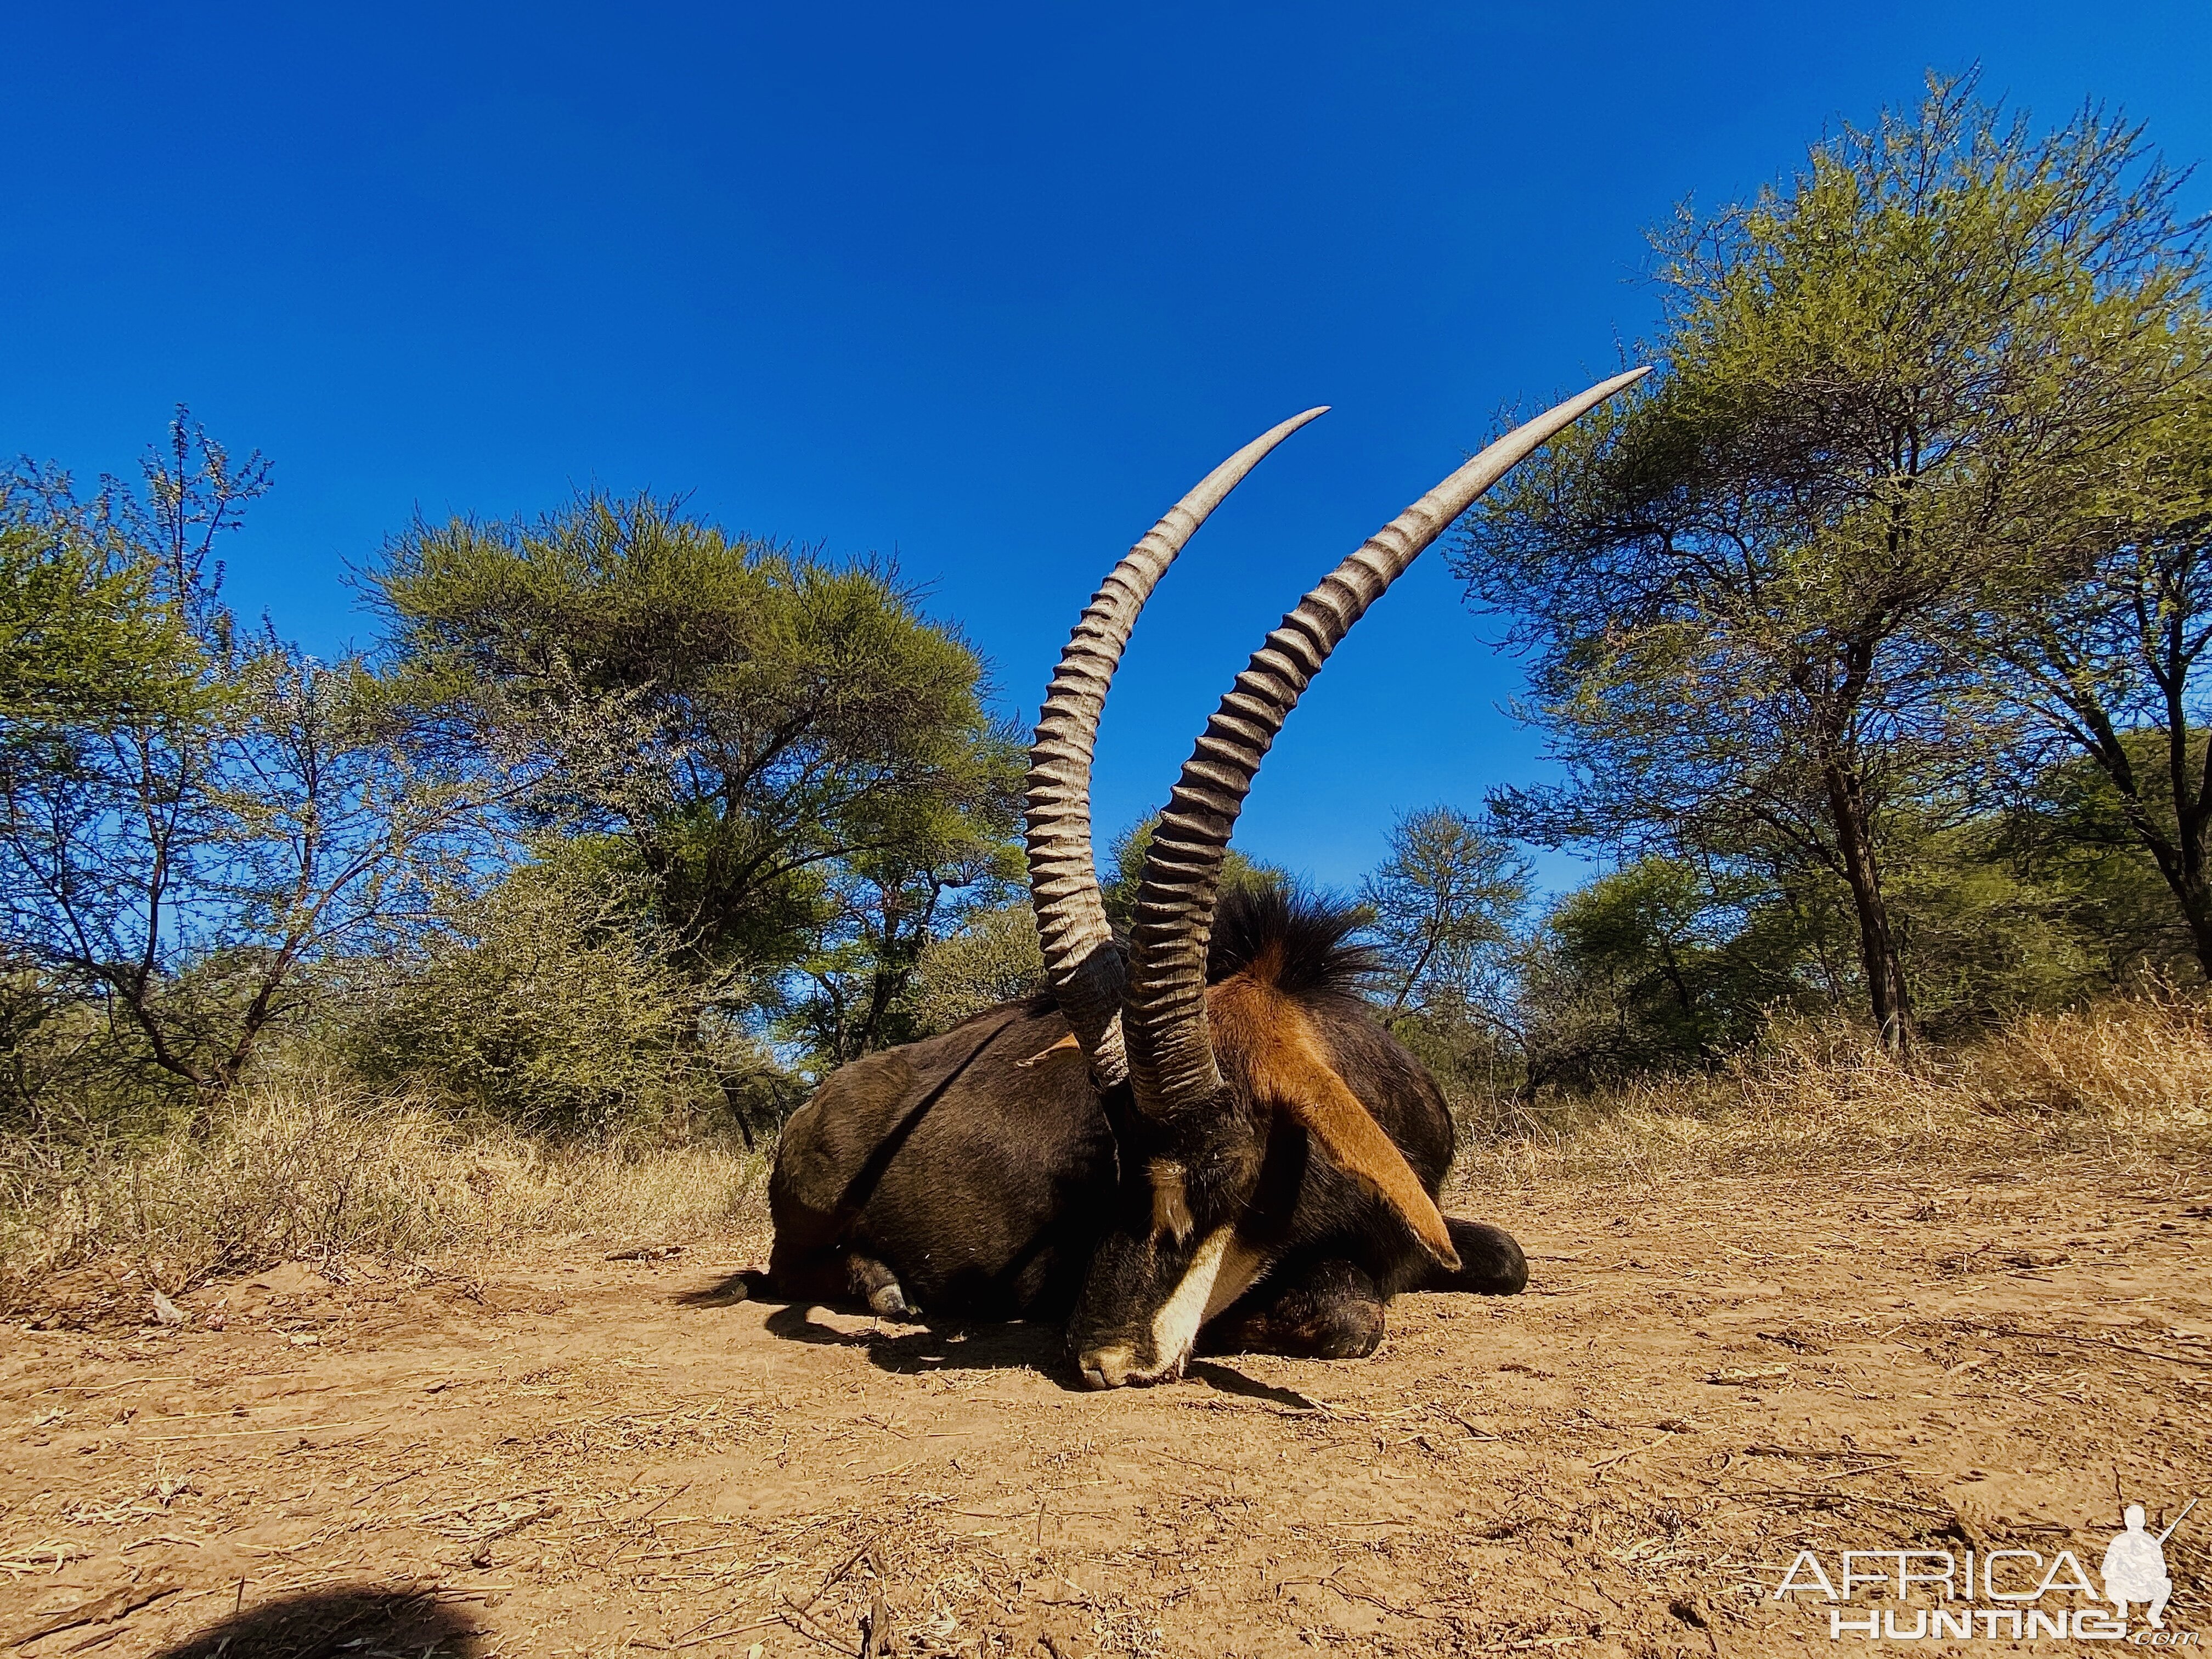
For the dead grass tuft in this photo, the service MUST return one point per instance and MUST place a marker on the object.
(313, 1170)
(2125, 1082)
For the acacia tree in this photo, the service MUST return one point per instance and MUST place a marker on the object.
(858, 988)
(180, 857)
(1750, 591)
(996, 956)
(85, 637)
(1447, 901)
(797, 759)
(87, 642)
(2110, 653)
(1445, 909)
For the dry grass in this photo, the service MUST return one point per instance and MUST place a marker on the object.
(311, 1169)
(2126, 1082)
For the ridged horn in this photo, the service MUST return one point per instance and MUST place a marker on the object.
(1164, 1005)
(1081, 963)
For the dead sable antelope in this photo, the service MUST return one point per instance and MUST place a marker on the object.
(1205, 1129)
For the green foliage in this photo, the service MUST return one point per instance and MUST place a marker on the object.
(799, 762)
(94, 641)
(1447, 906)
(1667, 964)
(87, 638)
(1755, 592)
(549, 1003)
(760, 724)
(173, 869)
(1986, 940)
(856, 989)
(1126, 857)
(2075, 828)
(1446, 903)
(2108, 638)
(995, 957)
(1656, 967)
(954, 856)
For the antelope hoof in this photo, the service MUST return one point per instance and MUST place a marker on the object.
(888, 1302)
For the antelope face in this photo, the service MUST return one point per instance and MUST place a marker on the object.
(1176, 1256)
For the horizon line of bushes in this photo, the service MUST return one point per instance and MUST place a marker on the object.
(1870, 633)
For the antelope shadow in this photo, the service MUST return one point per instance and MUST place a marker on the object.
(914, 1349)
(1014, 1346)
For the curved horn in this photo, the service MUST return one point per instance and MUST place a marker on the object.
(1081, 963)
(1170, 1055)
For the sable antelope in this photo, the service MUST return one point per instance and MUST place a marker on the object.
(1203, 1128)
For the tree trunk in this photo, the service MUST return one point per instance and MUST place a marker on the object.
(2191, 810)
(2183, 866)
(2197, 905)
(1891, 1005)
(2180, 854)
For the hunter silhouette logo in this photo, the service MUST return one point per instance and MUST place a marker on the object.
(2134, 1566)
(2012, 1594)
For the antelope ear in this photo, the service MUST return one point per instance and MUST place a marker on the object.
(1288, 1067)
(1355, 1143)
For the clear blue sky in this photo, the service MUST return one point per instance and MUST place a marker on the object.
(983, 286)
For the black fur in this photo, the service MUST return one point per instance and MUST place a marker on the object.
(1309, 937)
(980, 1174)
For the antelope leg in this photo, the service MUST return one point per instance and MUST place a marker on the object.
(1326, 1310)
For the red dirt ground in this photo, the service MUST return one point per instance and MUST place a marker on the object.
(566, 1454)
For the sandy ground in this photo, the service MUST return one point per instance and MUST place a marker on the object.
(566, 1454)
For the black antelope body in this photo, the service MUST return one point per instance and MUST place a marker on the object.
(1199, 1130)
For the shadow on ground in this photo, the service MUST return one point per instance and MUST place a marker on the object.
(910, 1351)
(746, 1285)
(359, 1620)
(1229, 1380)
(1013, 1347)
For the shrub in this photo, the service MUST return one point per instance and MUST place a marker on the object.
(313, 1167)
(994, 958)
(552, 1007)
(2128, 1079)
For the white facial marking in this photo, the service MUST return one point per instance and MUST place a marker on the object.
(1222, 1270)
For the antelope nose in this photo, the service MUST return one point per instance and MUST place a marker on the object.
(1105, 1368)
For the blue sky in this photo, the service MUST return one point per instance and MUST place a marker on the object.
(985, 287)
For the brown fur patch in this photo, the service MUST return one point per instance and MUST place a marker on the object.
(1270, 1033)
(1266, 968)
(1170, 1201)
